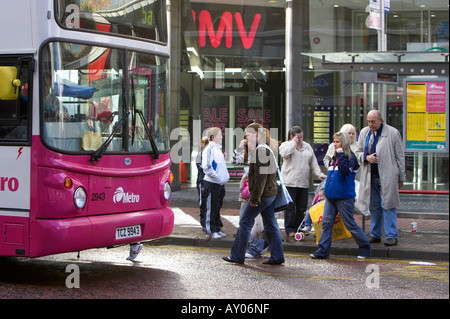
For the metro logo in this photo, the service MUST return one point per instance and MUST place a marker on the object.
(205, 25)
(126, 198)
(12, 184)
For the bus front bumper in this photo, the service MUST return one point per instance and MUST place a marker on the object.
(54, 236)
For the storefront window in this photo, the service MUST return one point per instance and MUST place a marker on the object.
(333, 98)
(232, 70)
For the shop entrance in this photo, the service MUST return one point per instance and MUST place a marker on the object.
(233, 112)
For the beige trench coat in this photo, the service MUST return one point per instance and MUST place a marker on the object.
(391, 166)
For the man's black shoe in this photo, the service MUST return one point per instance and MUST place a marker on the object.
(374, 240)
(318, 257)
(391, 242)
(228, 259)
(269, 262)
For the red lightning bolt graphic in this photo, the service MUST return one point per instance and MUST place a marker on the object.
(20, 152)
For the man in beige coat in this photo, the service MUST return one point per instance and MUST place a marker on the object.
(382, 159)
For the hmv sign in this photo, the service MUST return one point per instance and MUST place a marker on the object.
(225, 29)
(243, 28)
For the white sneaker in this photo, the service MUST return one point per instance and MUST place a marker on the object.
(134, 251)
(247, 255)
(222, 234)
(361, 257)
(216, 236)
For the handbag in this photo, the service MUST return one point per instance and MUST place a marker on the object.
(245, 194)
(339, 229)
(283, 199)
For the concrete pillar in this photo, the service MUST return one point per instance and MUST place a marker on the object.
(296, 18)
(174, 19)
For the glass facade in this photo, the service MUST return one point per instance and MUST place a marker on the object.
(232, 69)
(234, 56)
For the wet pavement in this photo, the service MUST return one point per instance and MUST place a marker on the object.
(162, 273)
(429, 242)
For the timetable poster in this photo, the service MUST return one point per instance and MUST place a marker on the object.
(426, 115)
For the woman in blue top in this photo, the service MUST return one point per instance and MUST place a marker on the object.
(340, 197)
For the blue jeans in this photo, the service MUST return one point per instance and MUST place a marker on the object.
(272, 231)
(379, 213)
(257, 246)
(307, 221)
(345, 209)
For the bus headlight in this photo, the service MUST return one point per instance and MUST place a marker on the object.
(79, 197)
(167, 191)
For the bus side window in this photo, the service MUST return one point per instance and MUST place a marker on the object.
(13, 106)
(8, 83)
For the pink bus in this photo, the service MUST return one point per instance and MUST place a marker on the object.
(84, 145)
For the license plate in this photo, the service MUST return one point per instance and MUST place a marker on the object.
(128, 232)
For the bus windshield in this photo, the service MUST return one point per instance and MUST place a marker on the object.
(99, 98)
(145, 19)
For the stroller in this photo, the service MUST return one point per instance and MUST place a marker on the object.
(300, 235)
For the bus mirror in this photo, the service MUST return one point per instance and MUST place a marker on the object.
(9, 83)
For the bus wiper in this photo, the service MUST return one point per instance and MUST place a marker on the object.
(150, 137)
(102, 149)
(133, 107)
(155, 153)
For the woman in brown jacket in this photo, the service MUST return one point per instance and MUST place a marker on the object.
(263, 189)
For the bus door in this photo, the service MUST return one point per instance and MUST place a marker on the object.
(15, 144)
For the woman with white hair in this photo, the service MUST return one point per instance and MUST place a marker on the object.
(351, 131)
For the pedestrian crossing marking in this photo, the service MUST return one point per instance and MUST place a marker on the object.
(234, 220)
(183, 219)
